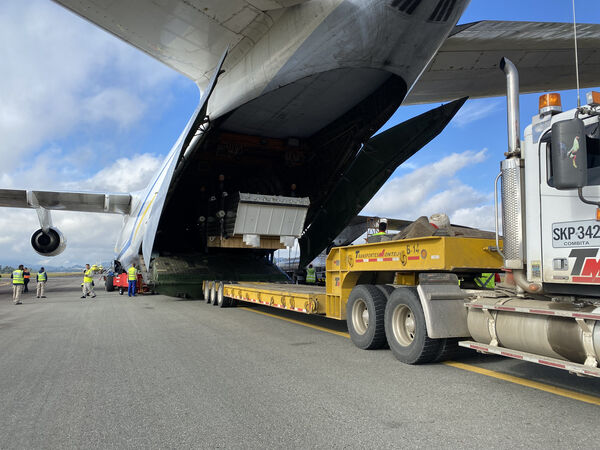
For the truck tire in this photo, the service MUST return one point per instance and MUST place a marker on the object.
(108, 283)
(207, 288)
(406, 330)
(365, 311)
(448, 349)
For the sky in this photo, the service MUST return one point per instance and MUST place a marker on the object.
(82, 110)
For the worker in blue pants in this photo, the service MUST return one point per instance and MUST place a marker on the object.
(132, 278)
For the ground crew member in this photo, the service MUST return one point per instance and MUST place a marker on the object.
(88, 287)
(26, 276)
(486, 281)
(18, 282)
(132, 278)
(382, 229)
(311, 274)
(41, 279)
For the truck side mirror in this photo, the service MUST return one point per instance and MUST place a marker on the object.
(569, 154)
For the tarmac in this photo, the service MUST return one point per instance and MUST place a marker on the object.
(159, 372)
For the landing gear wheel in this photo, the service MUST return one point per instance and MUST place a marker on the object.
(406, 330)
(121, 290)
(108, 283)
(365, 317)
(207, 289)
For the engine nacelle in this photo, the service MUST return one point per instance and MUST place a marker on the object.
(48, 244)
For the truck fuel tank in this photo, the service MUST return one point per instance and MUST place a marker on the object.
(547, 328)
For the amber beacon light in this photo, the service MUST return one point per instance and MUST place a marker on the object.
(550, 103)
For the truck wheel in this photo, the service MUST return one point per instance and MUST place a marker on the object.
(108, 283)
(406, 330)
(207, 288)
(121, 290)
(365, 317)
(448, 349)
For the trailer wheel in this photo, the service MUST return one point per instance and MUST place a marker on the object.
(108, 283)
(213, 293)
(121, 290)
(406, 330)
(386, 289)
(207, 288)
(365, 317)
(222, 301)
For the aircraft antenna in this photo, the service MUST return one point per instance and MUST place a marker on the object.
(576, 56)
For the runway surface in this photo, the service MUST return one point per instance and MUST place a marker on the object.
(158, 372)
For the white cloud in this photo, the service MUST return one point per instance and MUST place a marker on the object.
(434, 188)
(65, 79)
(60, 74)
(90, 237)
(475, 110)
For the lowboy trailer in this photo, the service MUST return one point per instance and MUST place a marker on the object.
(417, 295)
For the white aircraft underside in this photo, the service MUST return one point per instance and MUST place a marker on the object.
(295, 66)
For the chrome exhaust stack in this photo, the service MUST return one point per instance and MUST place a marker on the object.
(512, 210)
(511, 170)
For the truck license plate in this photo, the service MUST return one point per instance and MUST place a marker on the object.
(585, 233)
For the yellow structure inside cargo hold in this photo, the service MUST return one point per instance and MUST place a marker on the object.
(388, 262)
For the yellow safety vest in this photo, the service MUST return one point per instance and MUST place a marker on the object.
(18, 277)
(381, 233)
(311, 275)
(41, 276)
(486, 280)
(87, 276)
(131, 274)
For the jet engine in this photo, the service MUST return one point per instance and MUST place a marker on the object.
(51, 243)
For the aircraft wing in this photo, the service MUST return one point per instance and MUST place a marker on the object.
(117, 203)
(467, 62)
(188, 36)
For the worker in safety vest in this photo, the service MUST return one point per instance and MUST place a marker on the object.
(88, 287)
(382, 229)
(26, 277)
(311, 274)
(486, 281)
(132, 278)
(41, 279)
(18, 282)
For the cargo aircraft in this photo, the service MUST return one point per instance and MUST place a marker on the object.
(281, 144)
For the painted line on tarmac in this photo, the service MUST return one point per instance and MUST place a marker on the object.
(528, 383)
(468, 367)
(297, 322)
(4, 284)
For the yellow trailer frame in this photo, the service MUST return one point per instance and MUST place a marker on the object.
(403, 260)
